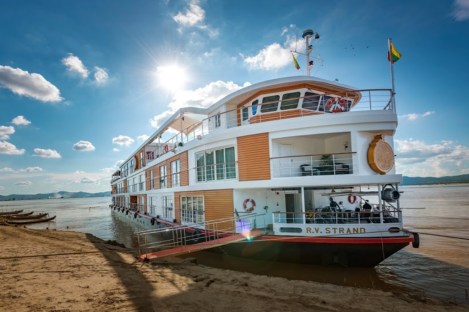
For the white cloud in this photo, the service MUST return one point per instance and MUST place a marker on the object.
(9, 149)
(28, 169)
(7, 169)
(24, 183)
(461, 10)
(115, 149)
(142, 138)
(87, 180)
(5, 132)
(31, 169)
(155, 122)
(100, 75)
(46, 153)
(83, 146)
(417, 158)
(79, 172)
(201, 97)
(75, 65)
(123, 140)
(20, 121)
(32, 85)
(272, 57)
(118, 163)
(414, 116)
(192, 16)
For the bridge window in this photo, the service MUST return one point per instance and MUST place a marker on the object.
(290, 100)
(270, 103)
(311, 101)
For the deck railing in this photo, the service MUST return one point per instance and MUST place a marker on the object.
(371, 99)
(312, 165)
(328, 215)
(181, 235)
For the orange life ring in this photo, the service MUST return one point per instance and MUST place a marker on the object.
(251, 206)
(166, 148)
(352, 199)
(336, 105)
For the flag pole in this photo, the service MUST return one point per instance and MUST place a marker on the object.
(393, 92)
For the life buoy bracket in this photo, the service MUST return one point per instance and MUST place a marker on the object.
(352, 199)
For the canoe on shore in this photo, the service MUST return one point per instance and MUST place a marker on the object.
(29, 221)
(24, 214)
(25, 217)
(4, 213)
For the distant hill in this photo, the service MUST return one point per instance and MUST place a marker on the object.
(61, 194)
(464, 178)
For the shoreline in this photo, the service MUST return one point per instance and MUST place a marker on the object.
(71, 271)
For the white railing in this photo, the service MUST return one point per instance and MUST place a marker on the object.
(371, 99)
(312, 165)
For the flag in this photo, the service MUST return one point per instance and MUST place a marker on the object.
(295, 62)
(393, 54)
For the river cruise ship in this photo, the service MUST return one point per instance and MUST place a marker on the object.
(295, 169)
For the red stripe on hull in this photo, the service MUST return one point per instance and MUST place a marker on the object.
(339, 240)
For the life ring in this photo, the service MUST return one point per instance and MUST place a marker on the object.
(249, 204)
(352, 199)
(336, 105)
(166, 148)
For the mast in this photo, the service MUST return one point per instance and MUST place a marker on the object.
(307, 35)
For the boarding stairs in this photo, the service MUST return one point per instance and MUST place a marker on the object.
(178, 240)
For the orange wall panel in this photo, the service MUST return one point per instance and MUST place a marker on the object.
(253, 157)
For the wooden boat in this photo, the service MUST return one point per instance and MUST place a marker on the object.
(24, 214)
(26, 217)
(30, 221)
(5, 213)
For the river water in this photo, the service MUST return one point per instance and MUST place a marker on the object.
(439, 268)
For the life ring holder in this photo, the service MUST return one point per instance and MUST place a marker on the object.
(336, 105)
(166, 148)
(352, 199)
(249, 204)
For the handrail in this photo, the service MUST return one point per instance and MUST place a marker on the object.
(292, 156)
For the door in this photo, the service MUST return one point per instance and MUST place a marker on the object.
(290, 207)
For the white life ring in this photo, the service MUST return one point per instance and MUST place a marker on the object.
(336, 105)
(166, 148)
(352, 199)
(249, 204)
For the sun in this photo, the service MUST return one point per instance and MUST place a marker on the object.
(171, 77)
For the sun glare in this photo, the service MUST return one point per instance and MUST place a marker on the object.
(171, 77)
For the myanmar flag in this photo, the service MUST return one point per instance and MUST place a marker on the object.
(295, 62)
(393, 54)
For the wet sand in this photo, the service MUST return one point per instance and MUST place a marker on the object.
(43, 270)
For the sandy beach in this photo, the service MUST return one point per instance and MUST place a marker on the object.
(44, 270)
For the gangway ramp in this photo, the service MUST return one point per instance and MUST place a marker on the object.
(181, 239)
(176, 251)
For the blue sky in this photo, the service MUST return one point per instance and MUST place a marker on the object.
(81, 81)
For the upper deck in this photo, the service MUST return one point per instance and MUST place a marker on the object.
(279, 99)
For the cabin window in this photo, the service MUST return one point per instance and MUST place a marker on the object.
(192, 209)
(245, 114)
(167, 204)
(217, 164)
(311, 101)
(162, 176)
(175, 173)
(217, 120)
(254, 107)
(152, 181)
(270, 103)
(290, 100)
